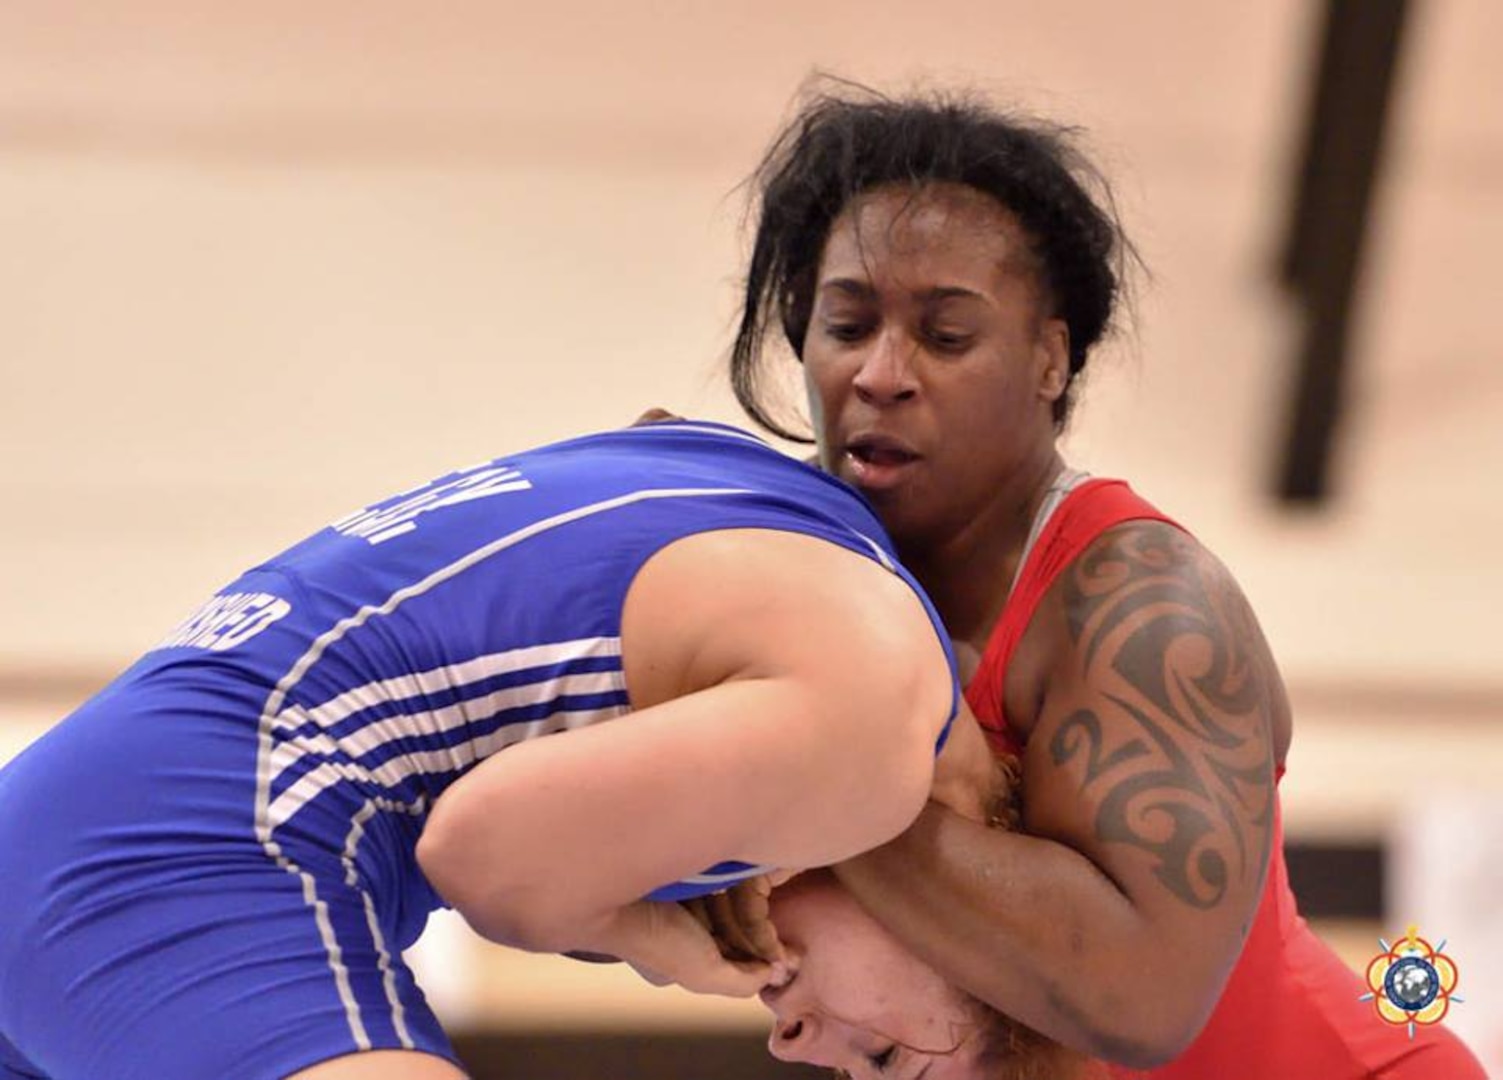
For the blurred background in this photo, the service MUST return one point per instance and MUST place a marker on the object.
(263, 264)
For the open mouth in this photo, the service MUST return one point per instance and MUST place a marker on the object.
(878, 461)
(881, 456)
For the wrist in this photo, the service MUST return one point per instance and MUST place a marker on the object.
(625, 932)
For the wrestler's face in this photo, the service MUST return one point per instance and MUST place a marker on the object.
(860, 1001)
(931, 359)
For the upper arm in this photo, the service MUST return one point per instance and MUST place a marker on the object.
(787, 696)
(1153, 751)
(861, 676)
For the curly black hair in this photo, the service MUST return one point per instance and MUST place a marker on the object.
(848, 139)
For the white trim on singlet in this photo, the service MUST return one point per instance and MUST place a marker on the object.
(728, 877)
(1067, 481)
(434, 722)
(372, 921)
(447, 678)
(272, 713)
(706, 429)
(265, 824)
(877, 550)
(404, 767)
(378, 733)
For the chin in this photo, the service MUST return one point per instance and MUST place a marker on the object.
(905, 521)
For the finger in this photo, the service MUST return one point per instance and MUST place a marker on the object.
(742, 978)
(696, 906)
(1006, 809)
(735, 942)
(753, 917)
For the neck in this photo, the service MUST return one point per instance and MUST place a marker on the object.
(968, 572)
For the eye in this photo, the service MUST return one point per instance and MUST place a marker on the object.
(884, 1058)
(846, 331)
(949, 341)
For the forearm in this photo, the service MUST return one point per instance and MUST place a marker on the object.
(660, 940)
(663, 942)
(626, 933)
(1037, 931)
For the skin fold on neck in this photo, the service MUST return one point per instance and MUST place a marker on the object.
(987, 549)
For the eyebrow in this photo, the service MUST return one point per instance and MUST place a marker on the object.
(865, 290)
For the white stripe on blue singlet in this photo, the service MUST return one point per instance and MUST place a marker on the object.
(438, 722)
(266, 821)
(373, 923)
(395, 771)
(448, 677)
(377, 733)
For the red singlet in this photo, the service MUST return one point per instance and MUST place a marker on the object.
(1290, 1009)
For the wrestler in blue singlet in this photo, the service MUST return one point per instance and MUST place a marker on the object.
(209, 868)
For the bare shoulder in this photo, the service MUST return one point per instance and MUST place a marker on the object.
(1163, 707)
(842, 682)
(1147, 598)
(746, 603)
(1137, 549)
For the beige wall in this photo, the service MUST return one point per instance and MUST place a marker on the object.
(262, 263)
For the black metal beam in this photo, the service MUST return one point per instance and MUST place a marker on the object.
(1322, 255)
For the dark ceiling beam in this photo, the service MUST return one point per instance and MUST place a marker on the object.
(1328, 224)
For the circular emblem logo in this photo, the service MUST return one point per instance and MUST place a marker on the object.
(1411, 982)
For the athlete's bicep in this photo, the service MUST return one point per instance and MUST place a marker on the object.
(746, 603)
(1153, 751)
(787, 704)
(549, 834)
(842, 639)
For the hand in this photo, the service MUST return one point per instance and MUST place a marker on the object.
(739, 922)
(665, 943)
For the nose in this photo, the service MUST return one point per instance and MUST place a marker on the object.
(886, 375)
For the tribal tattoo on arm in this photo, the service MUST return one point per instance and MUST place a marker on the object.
(1170, 742)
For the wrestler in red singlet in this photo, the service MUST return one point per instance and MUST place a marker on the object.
(1290, 1009)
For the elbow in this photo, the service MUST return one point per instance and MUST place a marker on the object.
(448, 862)
(1140, 1050)
(1149, 1030)
(505, 911)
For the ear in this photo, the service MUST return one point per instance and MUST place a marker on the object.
(1053, 353)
